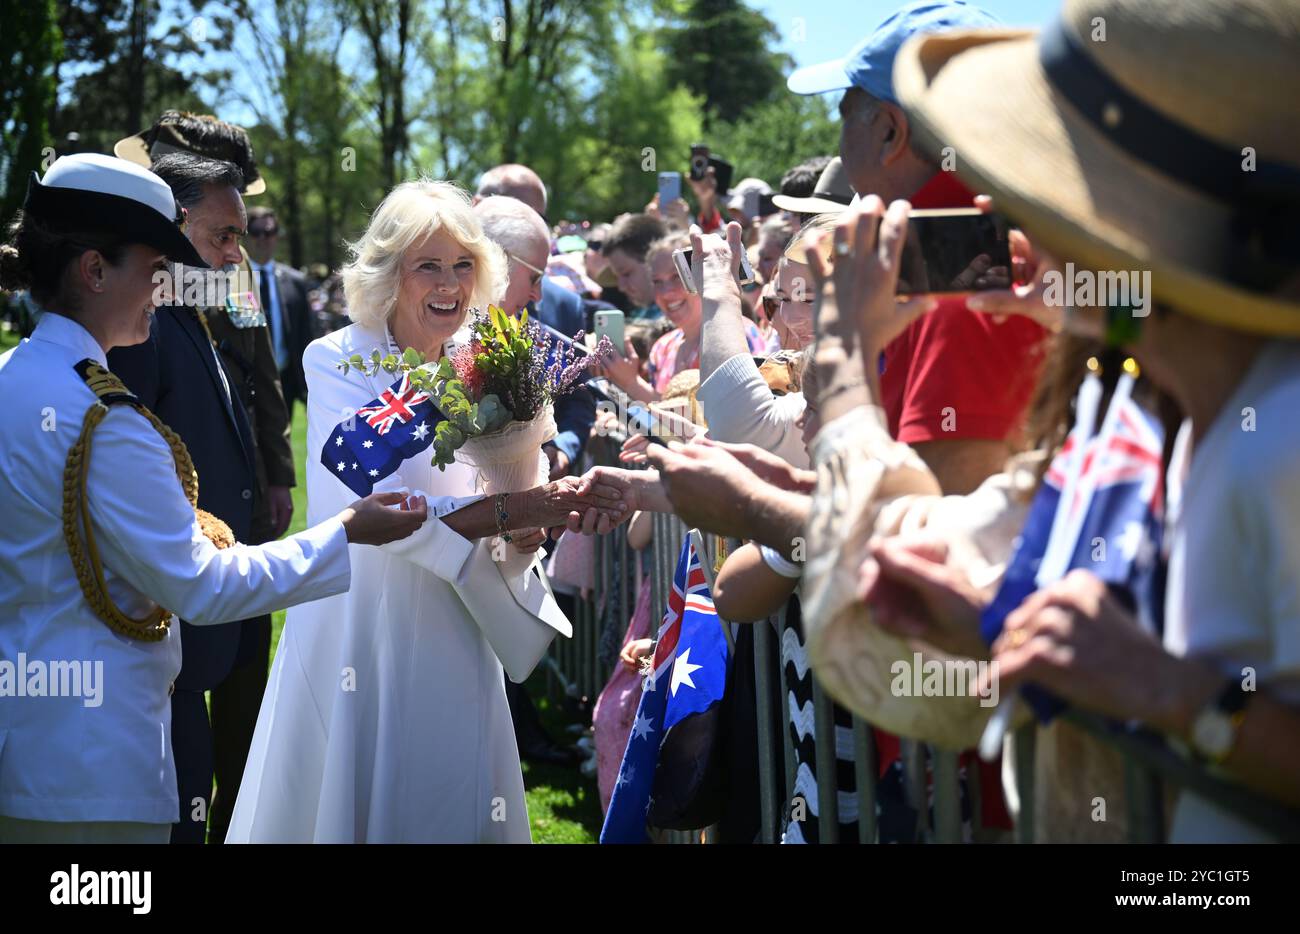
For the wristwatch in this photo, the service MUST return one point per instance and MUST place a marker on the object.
(1214, 731)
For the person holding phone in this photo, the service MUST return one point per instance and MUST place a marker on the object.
(679, 349)
(955, 385)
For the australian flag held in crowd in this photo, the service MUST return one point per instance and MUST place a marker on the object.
(364, 449)
(1100, 508)
(683, 691)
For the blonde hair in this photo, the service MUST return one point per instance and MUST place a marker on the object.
(668, 244)
(797, 249)
(406, 217)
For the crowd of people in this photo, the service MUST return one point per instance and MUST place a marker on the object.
(1093, 500)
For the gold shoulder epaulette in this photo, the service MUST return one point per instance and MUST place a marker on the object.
(104, 384)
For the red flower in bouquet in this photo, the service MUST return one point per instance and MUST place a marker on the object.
(467, 371)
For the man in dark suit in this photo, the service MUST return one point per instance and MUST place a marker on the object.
(179, 375)
(238, 328)
(283, 291)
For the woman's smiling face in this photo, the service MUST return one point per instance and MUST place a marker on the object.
(793, 292)
(678, 305)
(436, 284)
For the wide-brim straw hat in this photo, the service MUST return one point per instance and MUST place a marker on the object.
(1121, 138)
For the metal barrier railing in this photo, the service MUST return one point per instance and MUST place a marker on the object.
(932, 781)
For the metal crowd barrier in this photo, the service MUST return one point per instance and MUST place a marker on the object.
(931, 774)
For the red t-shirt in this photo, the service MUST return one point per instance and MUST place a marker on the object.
(954, 373)
(710, 224)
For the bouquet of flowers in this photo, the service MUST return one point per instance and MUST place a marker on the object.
(497, 394)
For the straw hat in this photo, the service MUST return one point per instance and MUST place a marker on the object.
(1129, 152)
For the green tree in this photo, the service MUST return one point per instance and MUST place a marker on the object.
(30, 46)
(389, 29)
(128, 60)
(720, 50)
(778, 135)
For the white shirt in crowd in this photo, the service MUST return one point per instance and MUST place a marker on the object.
(741, 409)
(1233, 595)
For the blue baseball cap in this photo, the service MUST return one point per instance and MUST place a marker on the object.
(870, 66)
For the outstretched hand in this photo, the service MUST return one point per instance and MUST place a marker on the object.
(914, 593)
(715, 262)
(707, 486)
(593, 501)
(374, 521)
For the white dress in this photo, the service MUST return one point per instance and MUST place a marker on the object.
(385, 718)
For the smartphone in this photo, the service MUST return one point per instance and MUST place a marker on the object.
(955, 250)
(682, 258)
(670, 189)
(609, 323)
(641, 420)
(722, 172)
(699, 161)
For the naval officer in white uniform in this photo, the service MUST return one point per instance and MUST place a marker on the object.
(99, 533)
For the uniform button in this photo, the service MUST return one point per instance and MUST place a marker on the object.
(247, 494)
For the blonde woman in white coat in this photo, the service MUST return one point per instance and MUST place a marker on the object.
(385, 719)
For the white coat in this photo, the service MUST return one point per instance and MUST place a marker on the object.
(385, 719)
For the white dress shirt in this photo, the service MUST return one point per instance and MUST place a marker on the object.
(102, 750)
(1232, 598)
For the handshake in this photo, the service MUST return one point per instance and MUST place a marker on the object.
(595, 503)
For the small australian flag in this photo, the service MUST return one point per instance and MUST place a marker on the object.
(364, 449)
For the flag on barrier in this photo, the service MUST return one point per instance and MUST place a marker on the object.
(686, 683)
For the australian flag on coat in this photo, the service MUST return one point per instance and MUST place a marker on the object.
(687, 681)
(364, 449)
(1111, 526)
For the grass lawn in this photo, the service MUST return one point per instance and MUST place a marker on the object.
(563, 806)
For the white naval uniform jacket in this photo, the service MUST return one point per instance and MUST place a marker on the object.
(68, 758)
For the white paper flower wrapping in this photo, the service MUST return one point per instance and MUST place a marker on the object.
(511, 460)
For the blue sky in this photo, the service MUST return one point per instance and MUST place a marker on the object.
(832, 27)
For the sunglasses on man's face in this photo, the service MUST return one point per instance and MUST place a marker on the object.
(260, 232)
